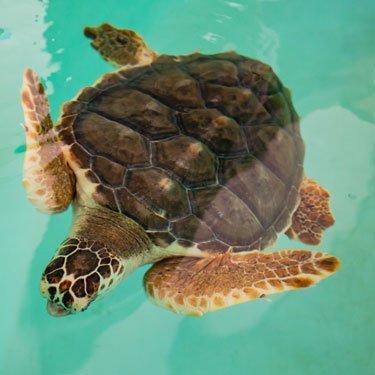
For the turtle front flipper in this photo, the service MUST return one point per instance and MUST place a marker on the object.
(195, 286)
(48, 180)
(313, 215)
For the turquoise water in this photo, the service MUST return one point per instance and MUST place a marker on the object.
(324, 51)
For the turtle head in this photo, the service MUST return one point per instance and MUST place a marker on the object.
(80, 272)
(119, 46)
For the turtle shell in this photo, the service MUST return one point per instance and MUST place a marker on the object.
(204, 150)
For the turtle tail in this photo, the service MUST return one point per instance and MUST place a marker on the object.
(48, 180)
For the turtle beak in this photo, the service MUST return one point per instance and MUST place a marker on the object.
(56, 310)
(91, 32)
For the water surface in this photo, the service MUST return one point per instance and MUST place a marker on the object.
(323, 51)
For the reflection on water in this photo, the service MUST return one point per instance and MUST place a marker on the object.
(323, 51)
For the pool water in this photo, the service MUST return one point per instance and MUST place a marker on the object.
(322, 50)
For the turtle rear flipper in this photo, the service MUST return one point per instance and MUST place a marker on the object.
(48, 180)
(313, 215)
(195, 286)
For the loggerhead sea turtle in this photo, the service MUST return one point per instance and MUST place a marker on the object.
(193, 163)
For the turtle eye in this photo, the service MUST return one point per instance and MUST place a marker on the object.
(122, 40)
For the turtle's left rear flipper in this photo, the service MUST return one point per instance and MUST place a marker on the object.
(195, 286)
(313, 215)
(48, 180)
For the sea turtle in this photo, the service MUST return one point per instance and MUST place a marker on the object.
(193, 163)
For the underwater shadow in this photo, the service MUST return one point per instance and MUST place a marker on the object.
(289, 336)
(248, 339)
(64, 345)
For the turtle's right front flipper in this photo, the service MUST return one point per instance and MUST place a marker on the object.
(48, 180)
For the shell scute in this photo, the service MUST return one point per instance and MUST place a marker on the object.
(232, 56)
(108, 171)
(109, 80)
(278, 106)
(88, 93)
(72, 107)
(131, 73)
(65, 123)
(192, 229)
(80, 156)
(221, 133)
(237, 102)
(258, 75)
(188, 158)
(139, 211)
(268, 192)
(99, 134)
(274, 147)
(136, 110)
(171, 86)
(159, 191)
(227, 215)
(215, 71)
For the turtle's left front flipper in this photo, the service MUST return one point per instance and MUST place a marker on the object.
(313, 215)
(195, 286)
(48, 180)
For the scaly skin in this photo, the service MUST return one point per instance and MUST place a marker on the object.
(196, 286)
(119, 47)
(49, 182)
(313, 215)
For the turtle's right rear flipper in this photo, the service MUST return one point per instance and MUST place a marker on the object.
(48, 180)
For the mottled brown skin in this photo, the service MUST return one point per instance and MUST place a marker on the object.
(89, 263)
(118, 46)
(313, 215)
(196, 286)
(48, 180)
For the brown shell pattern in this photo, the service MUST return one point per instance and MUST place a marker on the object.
(202, 149)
